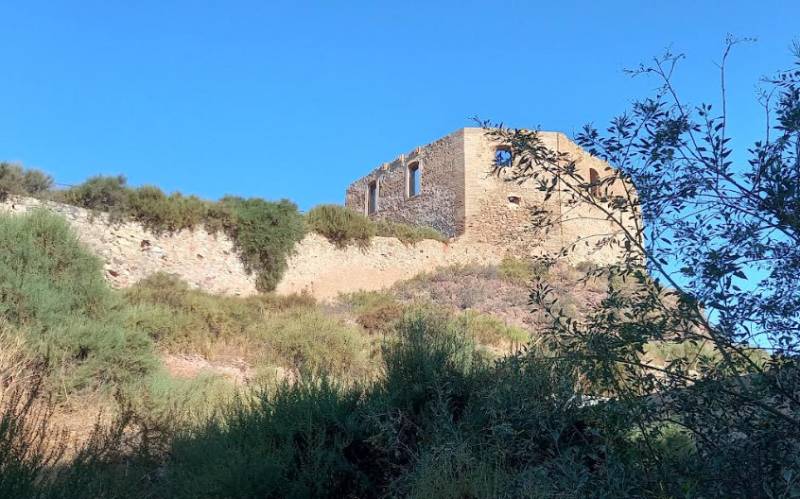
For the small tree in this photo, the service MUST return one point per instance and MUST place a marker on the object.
(715, 266)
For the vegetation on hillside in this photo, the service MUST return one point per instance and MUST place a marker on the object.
(716, 265)
(265, 331)
(441, 420)
(264, 232)
(14, 179)
(53, 293)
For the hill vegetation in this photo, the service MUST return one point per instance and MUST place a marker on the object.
(407, 392)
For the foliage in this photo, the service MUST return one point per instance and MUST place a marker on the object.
(265, 234)
(14, 179)
(721, 233)
(264, 330)
(375, 311)
(488, 330)
(343, 226)
(159, 212)
(102, 193)
(52, 291)
(26, 451)
(408, 234)
(522, 271)
(340, 225)
(441, 422)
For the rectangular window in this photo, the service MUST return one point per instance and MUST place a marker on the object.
(413, 180)
(594, 182)
(372, 198)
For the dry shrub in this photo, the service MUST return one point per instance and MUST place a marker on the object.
(15, 368)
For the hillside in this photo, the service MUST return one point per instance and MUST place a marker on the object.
(443, 376)
(438, 380)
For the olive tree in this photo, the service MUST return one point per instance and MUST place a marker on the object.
(712, 272)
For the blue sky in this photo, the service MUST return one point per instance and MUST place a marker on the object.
(296, 99)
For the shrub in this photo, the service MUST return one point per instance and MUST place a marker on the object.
(305, 338)
(101, 193)
(340, 225)
(265, 234)
(28, 445)
(343, 226)
(155, 210)
(53, 292)
(409, 234)
(521, 271)
(440, 421)
(488, 330)
(290, 331)
(14, 179)
(374, 311)
(294, 444)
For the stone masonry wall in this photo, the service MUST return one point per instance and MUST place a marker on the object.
(440, 203)
(499, 213)
(131, 253)
(322, 269)
(462, 197)
(209, 262)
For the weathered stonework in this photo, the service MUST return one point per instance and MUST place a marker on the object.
(209, 262)
(440, 202)
(461, 197)
(485, 217)
(131, 252)
(324, 270)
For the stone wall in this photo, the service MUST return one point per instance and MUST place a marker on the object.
(131, 252)
(500, 213)
(440, 202)
(209, 262)
(462, 198)
(322, 269)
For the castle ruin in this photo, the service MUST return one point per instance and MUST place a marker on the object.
(450, 185)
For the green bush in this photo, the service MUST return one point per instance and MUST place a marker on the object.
(147, 205)
(265, 234)
(343, 226)
(522, 271)
(14, 179)
(265, 330)
(374, 311)
(101, 193)
(52, 290)
(488, 330)
(26, 452)
(441, 422)
(409, 234)
(340, 225)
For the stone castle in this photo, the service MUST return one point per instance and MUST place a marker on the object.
(449, 185)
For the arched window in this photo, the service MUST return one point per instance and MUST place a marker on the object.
(594, 182)
(502, 157)
(413, 180)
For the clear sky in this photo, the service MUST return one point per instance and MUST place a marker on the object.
(296, 99)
